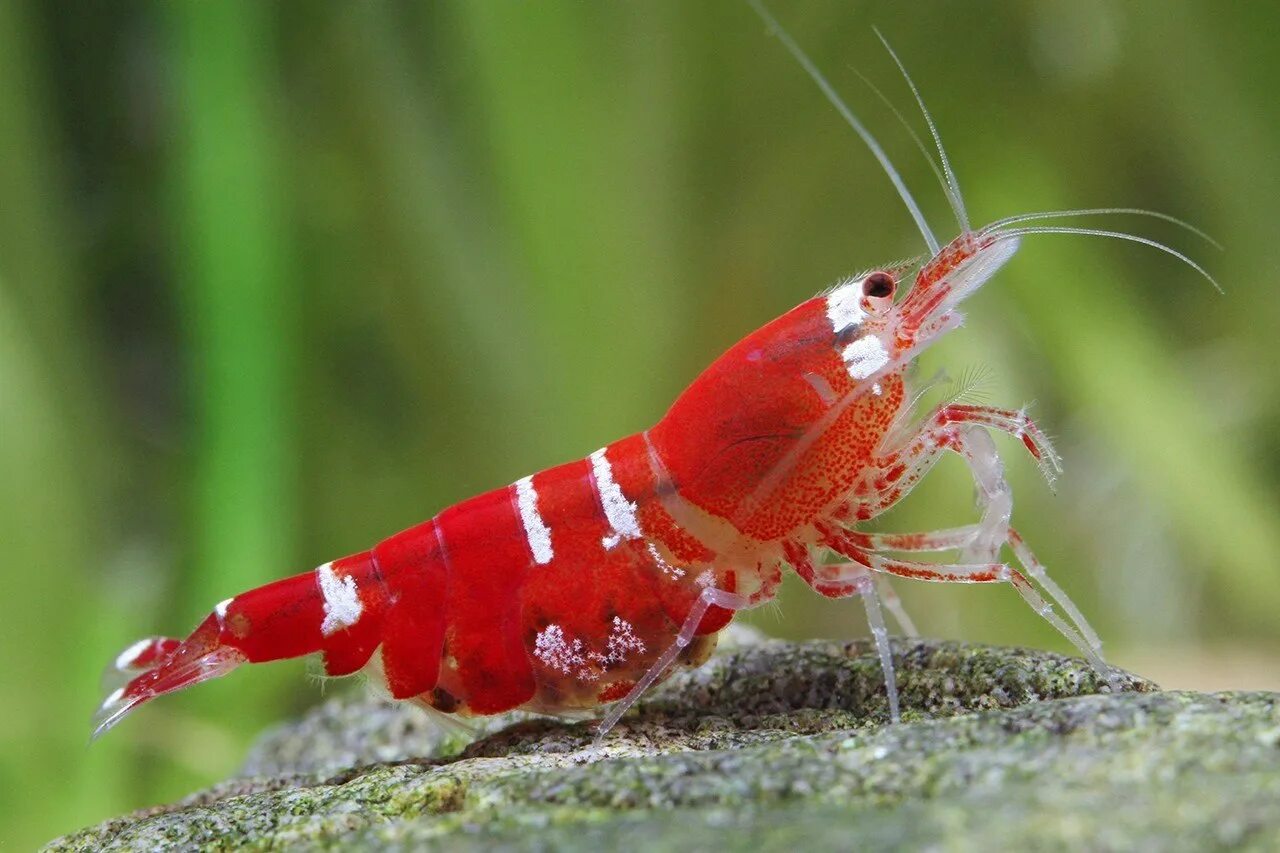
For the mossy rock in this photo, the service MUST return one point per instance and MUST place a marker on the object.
(770, 746)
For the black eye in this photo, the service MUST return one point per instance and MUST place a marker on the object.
(878, 284)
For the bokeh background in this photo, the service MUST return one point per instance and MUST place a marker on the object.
(279, 279)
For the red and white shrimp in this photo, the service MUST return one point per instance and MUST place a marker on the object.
(586, 583)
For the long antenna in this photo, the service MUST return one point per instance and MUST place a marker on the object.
(1097, 211)
(953, 192)
(1002, 234)
(812, 70)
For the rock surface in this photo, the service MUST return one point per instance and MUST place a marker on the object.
(770, 746)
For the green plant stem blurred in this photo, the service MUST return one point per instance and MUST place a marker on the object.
(239, 315)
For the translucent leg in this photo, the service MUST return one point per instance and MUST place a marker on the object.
(945, 430)
(991, 573)
(960, 537)
(708, 597)
(994, 530)
(1045, 609)
(948, 539)
(894, 606)
(995, 498)
(1016, 424)
(860, 579)
(944, 572)
(871, 601)
(1036, 570)
(962, 429)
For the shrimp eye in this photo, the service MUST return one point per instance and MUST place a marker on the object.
(878, 284)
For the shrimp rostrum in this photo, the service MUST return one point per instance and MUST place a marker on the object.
(586, 583)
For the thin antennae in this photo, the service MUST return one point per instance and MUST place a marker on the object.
(915, 137)
(1119, 235)
(957, 201)
(1093, 211)
(870, 141)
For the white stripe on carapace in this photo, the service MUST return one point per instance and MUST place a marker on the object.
(535, 530)
(125, 660)
(342, 605)
(620, 512)
(844, 306)
(221, 608)
(865, 356)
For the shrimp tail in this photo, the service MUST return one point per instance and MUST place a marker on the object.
(336, 609)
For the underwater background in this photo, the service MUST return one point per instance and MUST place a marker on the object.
(278, 280)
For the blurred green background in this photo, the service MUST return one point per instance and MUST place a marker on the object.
(277, 280)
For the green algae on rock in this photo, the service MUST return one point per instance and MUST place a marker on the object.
(771, 746)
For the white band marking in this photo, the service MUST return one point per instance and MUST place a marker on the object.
(535, 530)
(342, 605)
(221, 608)
(865, 356)
(113, 699)
(620, 512)
(126, 658)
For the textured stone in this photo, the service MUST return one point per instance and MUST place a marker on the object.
(769, 746)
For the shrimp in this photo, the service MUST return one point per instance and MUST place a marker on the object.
(584, 584)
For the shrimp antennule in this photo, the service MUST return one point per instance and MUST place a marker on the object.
(852, 120)
(952, 185)
(906, 125)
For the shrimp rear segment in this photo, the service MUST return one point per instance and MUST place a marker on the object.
(336, 609)
(557, 592)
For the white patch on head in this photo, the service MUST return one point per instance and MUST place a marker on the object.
(705, 579)
(865, 356)
(342, 605)
(125, 660)
(535, 530)
(876, 389)
(221, 608)
(844, 306)
(620, 512)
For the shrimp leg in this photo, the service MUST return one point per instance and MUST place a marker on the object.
(842, 580)
(704, 601)
(900, 469)
(960, 429)
(960, 537)
(893, 604)
(978, 573)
